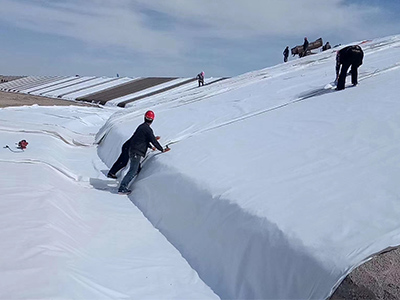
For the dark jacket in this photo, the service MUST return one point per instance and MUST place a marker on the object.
(200, 77)
(286, 52)
(326, 46)
(350, 55)
(139, 141)
(305, 45)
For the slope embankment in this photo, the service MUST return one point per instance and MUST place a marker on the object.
(277, 187)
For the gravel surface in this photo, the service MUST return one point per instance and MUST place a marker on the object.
(378, 278)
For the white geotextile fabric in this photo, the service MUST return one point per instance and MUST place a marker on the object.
(63, 236)
(276, 186)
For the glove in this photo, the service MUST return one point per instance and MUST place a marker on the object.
(166, 149)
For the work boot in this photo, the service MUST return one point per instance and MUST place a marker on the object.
(124, 191)
(111, 175)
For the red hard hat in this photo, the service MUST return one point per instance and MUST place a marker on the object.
(149, 115)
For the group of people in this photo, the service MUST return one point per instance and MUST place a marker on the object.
(305, 49)
(346, 57)
(135, 148)
(304, 52)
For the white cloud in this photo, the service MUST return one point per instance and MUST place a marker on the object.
(92, 21)
(177, 36)
(118, 23)
(238, 19)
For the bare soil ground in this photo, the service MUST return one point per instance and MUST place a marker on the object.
(17, 99)
(379, 278)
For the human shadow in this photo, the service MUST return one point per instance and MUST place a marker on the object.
(316, 92)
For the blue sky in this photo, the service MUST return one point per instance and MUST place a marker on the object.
(176, 37)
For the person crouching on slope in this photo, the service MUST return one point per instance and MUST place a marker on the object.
(138, 145)
(346, 57)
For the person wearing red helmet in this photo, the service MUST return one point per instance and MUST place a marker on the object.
(137, 146)
(149, 115)
(123, 159)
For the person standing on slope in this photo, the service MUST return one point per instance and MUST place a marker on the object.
(200, 78)
(305, 46)
(138, 145)
(346, 57)
(286, 54)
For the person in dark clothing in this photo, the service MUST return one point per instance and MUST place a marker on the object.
(138, 144)
(286, 54)
(123, 159)
(346, 57)
(305, 46)
(121, 162)
(326, 46)
(200, 78)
